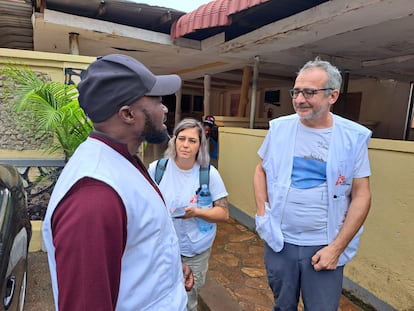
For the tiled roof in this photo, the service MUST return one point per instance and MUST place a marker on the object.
(213, 14)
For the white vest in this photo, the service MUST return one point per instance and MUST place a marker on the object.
(151, 270)
(347, 139)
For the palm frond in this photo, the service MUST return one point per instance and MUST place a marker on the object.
(52, 107)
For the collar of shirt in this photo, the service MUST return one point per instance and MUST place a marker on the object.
(122, 149)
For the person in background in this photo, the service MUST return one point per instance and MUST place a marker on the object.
(211, 131)
(186, 152)
(312, 193)
(110, 240)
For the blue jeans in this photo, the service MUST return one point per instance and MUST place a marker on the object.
(290, 273)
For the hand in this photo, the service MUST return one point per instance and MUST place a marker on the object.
(190, 212)
(325, 259)
(188, 277)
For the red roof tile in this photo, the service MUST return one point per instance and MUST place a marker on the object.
(213, 14)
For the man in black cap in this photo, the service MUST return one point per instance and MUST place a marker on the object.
(110, 240)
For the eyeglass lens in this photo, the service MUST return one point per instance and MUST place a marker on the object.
(307, 93)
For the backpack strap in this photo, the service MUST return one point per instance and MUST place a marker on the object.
(160, 169)
(204, 175)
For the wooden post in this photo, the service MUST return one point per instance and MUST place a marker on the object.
(207, 89)
(74, 43)
(254, 91)
(178, 116)
(247, 72)
(40, 6)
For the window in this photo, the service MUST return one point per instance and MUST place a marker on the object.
(186, 103)
(198, 104)
(272, 97)
(192, 103)
(169, 102)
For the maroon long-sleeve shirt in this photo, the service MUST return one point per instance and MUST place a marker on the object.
(89, 233)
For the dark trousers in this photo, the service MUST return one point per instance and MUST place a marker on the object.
(290, 272)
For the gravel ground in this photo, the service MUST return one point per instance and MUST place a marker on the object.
(39, 296)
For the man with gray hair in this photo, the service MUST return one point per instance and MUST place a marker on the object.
(312, 193)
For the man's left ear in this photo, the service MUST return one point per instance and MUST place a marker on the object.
(125, 113)
(333, 97)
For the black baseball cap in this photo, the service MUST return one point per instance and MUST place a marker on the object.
(116, 80)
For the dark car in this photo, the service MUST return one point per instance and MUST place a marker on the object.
(15, 234)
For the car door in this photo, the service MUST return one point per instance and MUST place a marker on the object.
(14, 239)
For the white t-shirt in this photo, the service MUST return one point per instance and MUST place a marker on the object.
(179, 188)
(304, 220)
(347, 161)
(305, 216)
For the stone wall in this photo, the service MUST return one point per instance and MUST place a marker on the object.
(13, 134)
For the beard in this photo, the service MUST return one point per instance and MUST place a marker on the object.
(314, 115)
(156, 137)
(151, 134)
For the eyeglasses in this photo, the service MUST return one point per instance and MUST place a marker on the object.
(307, 93)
